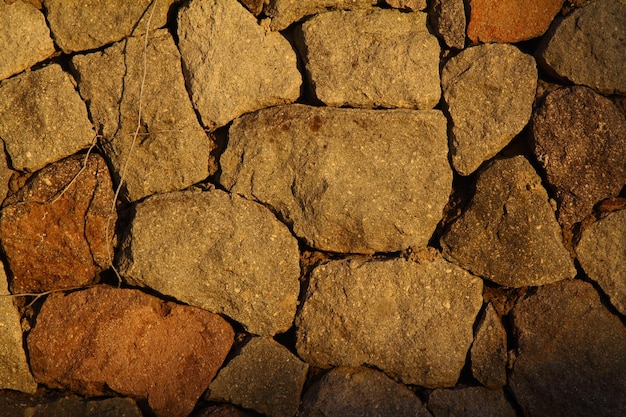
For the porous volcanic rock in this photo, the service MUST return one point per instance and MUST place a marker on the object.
(469, 402)
(320, 169)
(372, 58)
(412, 321)
(5, 173)
(273, 377)
(24, 37)
(69, 407)
(413, 5)
(14, 371)
(53, 231)
(285, 12)
(489, 90)
(233, 65)
(357, 392)
(571, 354)
(447, 18)
(79, 25)
(42, 118)
(510, 21)
(602, 254)
(104, 340)
(587, 47)
(254, 6)
(579, 138)
(509, 233)
(489, 350)
(217, 251)
(171, 151)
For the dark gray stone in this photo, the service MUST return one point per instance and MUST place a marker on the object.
(469, 402)
(448, 19)
(489, 351)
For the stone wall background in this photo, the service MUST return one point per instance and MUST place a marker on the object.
(315, 207)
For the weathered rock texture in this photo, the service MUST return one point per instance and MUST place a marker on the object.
(24, 37)
(510, 21)
(69, 407)
(571, 354)
(412, 5)
(587, 47)
(509, 233)
(412, 321)
(579, 138)
(79, 25)
(357, 392)
(171, 151)
(233, 65)
(14, 371)
(469, 402)
(285, 12)
(105, 339)
(42, 118)
(489, 91)
(53, 231)
(273, 377)
(372, 58)
(321, 170)
(222, 410)
(489, 350)
(216, 251)
(5, 173)
(447, 18)
(602, 254)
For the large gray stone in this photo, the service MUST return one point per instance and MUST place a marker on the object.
(171, 151)
(357, 392)
(489, 90)
(412, 321)
(233, 65)
(602, 254)
(216, 251)
(68, 407)
(42, 118)
(509, 232)
(489, 350)
(448, 20)
(571, 354)
(346, 180)
(24, 37)
(372, 58)
(273, 377)
(469, 402)
(587, 47)
(285, 12)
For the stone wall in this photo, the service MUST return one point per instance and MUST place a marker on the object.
(314, 207)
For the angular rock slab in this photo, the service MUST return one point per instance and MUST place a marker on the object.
(42, 118)
(411, 321)
(372, 58)
(14, 371)
(216, 251)
(602, 254)
(24, 37)
(571, 354)
(69, 407)
(489, 350)
(233, 65)
(356, 392)
(53, 231)
(509, 233)
(489, 90)
(171, 151)
(79, 25)
(285, 12)
(469, 402)
(273, 377)
(322, 170)
(447, 18)
(579, 138)
(587, 47)
(510, 21)
(106, 339)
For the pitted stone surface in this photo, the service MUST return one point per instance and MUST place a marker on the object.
(216, 251)
(69, 407)
(273, 377)
(53, 233)
(233, 65)
(372, 58)
(106, 339)
(489, 90)
(489, 350)
(509, 232)
(469, 402)
(24, 37)
(448, 20)
(42, 118)
(587, 47)
(171, 151)
(320, 169)
(412, 321)
(413, 5)
(5, 174)
(285, 12)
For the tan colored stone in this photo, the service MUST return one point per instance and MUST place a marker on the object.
(285, 12)
(413, 5)
(488, 353)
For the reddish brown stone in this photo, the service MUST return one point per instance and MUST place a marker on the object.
(510, 21)
(104, 340)
(53, 232)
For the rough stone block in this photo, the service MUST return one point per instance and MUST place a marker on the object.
(469, 402)
(448, 20)
(489, 350)
(285, 12)
(69, 407)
